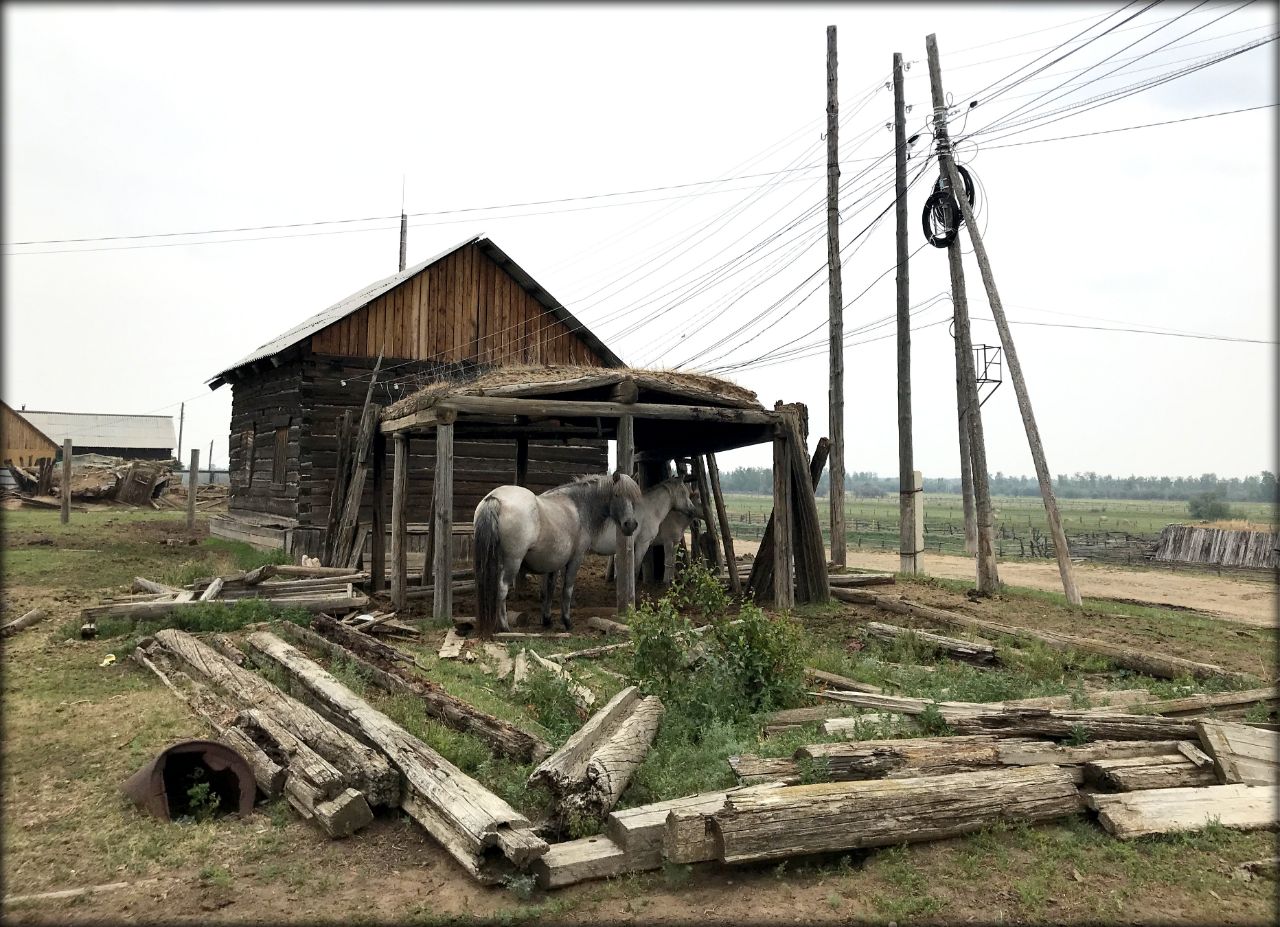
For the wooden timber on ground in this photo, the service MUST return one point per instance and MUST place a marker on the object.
(1165, 811)
(976, 652)
(848, 580)
(26, 621)
(1219, 704)
(1142, 661)
(386, 668)
(481, 831)
(836, 681)
(1241, 754)
(1130, 774)
(764, 824)
(751, 769)
(588, 774)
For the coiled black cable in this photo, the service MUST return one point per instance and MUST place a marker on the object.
(941, 217)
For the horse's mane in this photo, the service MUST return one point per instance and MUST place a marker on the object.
(600, 484)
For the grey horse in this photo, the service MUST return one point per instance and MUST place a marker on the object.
(516, 530)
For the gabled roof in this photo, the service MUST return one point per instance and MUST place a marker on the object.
(91, 429)
(362, 297)
(23, 415)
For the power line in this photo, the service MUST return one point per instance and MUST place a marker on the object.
(1147, 125)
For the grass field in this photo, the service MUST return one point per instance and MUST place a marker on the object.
(873, 522)
(74, 729)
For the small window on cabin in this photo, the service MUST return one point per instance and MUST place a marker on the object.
(282, 454)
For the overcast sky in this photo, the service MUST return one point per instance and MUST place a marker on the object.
(125, 121)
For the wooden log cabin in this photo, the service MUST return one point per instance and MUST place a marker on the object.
(465, 311)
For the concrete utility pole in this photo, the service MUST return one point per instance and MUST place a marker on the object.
(836, 307)
(966, 377)
(908, 550)
(1011, 357)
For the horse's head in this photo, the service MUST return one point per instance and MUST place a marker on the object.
(681, 497)
(623, 502)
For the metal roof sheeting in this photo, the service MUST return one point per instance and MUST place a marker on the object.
(362, 297)
(91, 429)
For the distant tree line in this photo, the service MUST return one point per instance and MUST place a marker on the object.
(1088, 485)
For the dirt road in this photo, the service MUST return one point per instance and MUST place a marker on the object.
(1245, 601)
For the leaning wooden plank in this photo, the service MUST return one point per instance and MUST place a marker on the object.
(1241, 753)
(840, 682)
(451, 649)
(142, 584)
(364, 767)
(583, 696)
(1146, 772)
(212, 591)
(1142, 661)
(977, 652)
(804, 819)
(580, 860)
(1166, 811)
(481, 831)
(26, 621)
(387, 669)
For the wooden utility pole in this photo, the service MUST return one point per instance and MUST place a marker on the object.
(966, 455)
(65, 515)
(624, 554)
(1015, 368)
(908, 551)
(836, 308)
(182, 414)
(192, 476)
(404, 238)
(988, 578)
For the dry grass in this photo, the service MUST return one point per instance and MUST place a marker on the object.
(1237, 524)
(553, 373)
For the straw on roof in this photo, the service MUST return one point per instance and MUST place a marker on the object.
(507, 380)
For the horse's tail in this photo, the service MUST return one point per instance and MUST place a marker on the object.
(488, 565)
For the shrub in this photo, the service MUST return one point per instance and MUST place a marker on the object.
(549, 699)
(1208, 506)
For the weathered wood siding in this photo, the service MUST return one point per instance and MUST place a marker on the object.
(479, 466)
(462, 308)
(260, 405)
(23, 443)
(1219, 546)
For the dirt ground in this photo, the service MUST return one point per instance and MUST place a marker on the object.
(74, 729)
(1233, 598)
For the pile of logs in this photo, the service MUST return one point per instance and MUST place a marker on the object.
(316, 589)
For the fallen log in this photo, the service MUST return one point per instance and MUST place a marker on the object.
(751, 769)
(160, 609)
(362, 767)
(686, 826)
(1131, 774)
(843, 683)
(142, 584)
(789, 718)
(898, 759)
(32, 617)
(1221, 704)
(846, 580)
(385, 668)
(607, 626)
(589, 653)
(977, 652)
(1141, 661)
(1241, 753)
(212, 591)
(590, 772)
(481, 831)
(1165, 811)
(804, 819)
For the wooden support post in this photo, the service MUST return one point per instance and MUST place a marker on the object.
(192, 476)
(783, 580)
(399, 531)
(65, 515)
(1010, 355)
(836, 311)
(378, 529)
(704, 497)
(908, 549)
(917, 535)
(966, 457)
(624, 559)
(442, 522)
(726, 536)
(522, 461)
(988, 579)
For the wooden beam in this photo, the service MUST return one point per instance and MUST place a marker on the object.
(705, 503)
(726, 535)
(65, 490)
(625, 556)
(783, 578)
(399, 537)
(442, 521)
(377, 546)
(566, 408)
